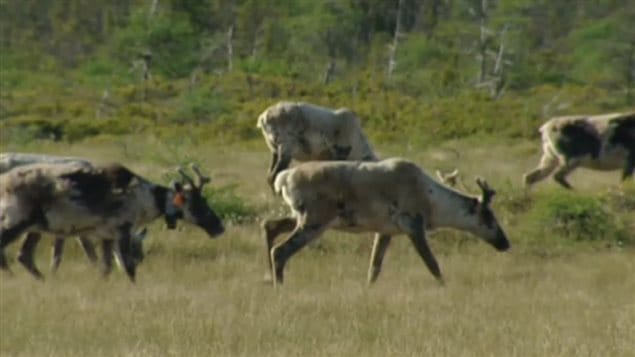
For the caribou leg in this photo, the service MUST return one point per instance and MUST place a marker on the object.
(89, 249)
(8, 236)
(284, 159)
(124, 247)
(561, 175)
(58, 252)
(380, 245)
(107, 246)
(416, 233)
(273, 228)
(282, 251)
(25, 257)
(547, 164)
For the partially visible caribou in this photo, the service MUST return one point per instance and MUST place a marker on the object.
(11, 160)
(598, 142)
(388, 197)
(307, 132)
(102, 201)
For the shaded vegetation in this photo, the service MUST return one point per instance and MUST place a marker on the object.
(74, 69)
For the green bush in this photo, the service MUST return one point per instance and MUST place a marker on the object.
(576, 217)
(228, 204)
(198, 106)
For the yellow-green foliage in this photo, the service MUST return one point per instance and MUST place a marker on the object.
(577, 216)
(226, 106)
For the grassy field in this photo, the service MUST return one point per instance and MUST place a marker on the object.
(201, 297)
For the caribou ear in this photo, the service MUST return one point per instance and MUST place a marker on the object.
(487, 192)
(200, 178)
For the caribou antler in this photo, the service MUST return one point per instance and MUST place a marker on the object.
(449, 178)
(488, 192)
(202, 180)
(186, 177)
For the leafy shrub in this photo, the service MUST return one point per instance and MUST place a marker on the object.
(30, 128)
(172, 39)
(576, 217)
(229, 205)
(198, 106)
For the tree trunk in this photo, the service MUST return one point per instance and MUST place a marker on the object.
(630, 73)
(153, 8)
(483, 41)
(392, 48)
(329, 72)
(230, 48)
(229, 37)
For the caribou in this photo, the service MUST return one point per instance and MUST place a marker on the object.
(389, 197)
(308, 132)
(105, 202)
(598, 142)
(9, 161)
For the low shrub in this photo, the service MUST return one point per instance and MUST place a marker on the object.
(577, 217)
(228, 204)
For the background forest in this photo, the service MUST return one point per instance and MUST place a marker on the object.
(77, 68)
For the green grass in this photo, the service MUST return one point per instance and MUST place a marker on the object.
(548, 296)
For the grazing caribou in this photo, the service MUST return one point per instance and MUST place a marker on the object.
(307, 132)
(388, 197)
(599, 142)
(9, 161)
(103, 201)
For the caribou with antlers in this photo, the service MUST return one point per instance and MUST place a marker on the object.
(105, 202)
(388, 197)
(11, 160)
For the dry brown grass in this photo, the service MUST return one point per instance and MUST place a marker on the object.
(198, 297)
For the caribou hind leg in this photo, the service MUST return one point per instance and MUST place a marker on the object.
(27, 251)
(56, 255)
(107, 246)
(9, 235)
(89, 249)
(561, 175)
(58, 251)
(380, 245)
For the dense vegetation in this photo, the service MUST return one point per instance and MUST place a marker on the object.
(415, 70)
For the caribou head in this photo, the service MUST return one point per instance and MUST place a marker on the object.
(189, 203)
(482, 220)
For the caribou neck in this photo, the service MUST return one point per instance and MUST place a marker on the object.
(160, 194)
(450, 207)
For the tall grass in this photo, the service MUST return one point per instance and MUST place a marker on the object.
(202, 297)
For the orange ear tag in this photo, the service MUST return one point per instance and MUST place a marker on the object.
(178, 200)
